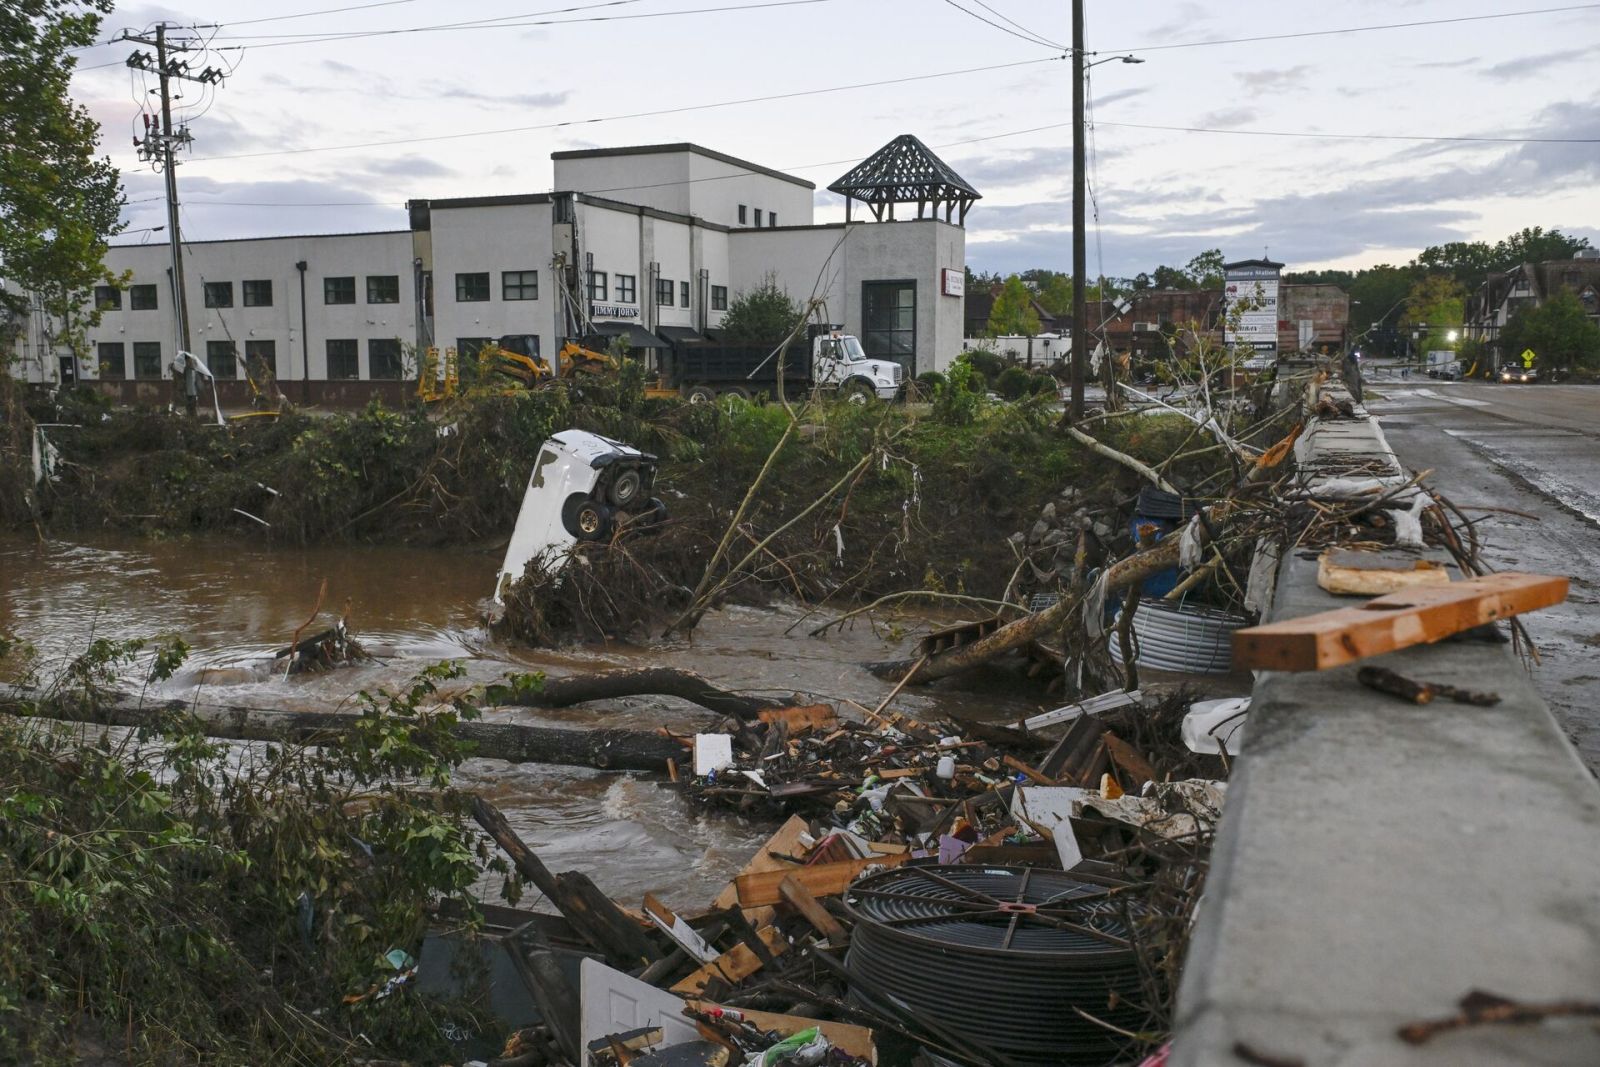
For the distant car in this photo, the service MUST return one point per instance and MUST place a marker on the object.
(1510, 375)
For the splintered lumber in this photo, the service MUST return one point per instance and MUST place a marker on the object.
(786, 842)
(606, 749)
(1127, 757)
(820, 879)
(1386, 681)
(734, 965)
(810, 908)
(1421, 615)
(1352, 572)
(649, 681)
(809, 717)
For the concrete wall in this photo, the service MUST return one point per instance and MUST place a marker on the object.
(914, 251)
(493, 238)
(1377, 860)
(688, 180)
(358, 256)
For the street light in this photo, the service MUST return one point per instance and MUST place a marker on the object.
(1080, 311)
(1451, 336)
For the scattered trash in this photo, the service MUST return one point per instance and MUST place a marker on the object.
(1212, 726)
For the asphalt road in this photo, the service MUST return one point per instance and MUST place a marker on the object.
(1533, 449)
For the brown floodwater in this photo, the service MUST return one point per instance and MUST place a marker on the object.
(235, 601)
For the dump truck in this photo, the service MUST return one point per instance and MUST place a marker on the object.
(826, 358)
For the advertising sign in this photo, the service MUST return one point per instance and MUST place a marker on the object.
(952, 282)
(1250, 306)
(613, 311)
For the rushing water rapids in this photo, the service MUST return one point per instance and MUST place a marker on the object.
(236, 602)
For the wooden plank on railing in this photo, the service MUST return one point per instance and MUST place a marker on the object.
(1394, 621)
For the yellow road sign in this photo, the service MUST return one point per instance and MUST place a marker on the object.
(1527, 357)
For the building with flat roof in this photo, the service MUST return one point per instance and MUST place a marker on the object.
(650, 243)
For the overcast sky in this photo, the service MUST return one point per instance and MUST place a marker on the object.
(270, 135)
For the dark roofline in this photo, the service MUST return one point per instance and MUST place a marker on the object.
(511, 200)
(1252, 263)
(267, 237)
(837, 225)
(682, 146)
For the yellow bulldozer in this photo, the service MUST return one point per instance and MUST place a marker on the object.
(511, 364)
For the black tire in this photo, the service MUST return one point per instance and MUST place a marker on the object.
(859, 391)
(625, 486)
(654, 516)
(700, 394)
(585, 518)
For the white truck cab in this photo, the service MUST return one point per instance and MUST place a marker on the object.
(837, 359)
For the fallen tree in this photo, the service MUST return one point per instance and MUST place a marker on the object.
(604, 749)
(648, 681)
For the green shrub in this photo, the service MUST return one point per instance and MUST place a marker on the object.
(1013, 382)
(985, 361)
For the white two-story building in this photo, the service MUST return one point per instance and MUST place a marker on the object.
(651, 243)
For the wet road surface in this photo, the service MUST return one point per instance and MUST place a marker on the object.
(1534, 449)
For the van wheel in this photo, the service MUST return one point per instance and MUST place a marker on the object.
(586, 519)
(700, 394)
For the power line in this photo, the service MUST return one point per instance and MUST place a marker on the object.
(288, 39)
(1019, 25)
(1353, 29)
(633, 115)
(1025, 36)
(324, 11)
(1357, 136)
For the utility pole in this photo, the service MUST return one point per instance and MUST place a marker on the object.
(1080, 317)
(160, 144)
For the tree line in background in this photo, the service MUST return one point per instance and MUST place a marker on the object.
(1421, 302)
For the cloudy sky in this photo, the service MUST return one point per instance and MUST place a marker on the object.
(317, 135)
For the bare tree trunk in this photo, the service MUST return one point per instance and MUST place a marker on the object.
(606, 750)
(1014, 635)
(648, 681)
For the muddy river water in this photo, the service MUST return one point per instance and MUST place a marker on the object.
(235, 602)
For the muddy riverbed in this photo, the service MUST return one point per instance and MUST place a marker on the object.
(236, 602)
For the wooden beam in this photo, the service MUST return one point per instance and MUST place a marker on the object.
(734, 965)
(1421, 615)
(810, 908)
(820, 880)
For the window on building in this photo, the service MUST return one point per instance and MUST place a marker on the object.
(599, 285)
(147, 360)
(683, 292)
(743, 220)
(107, 298)
(221, 358)
(758, 218)
(142, 298)
(627, 289)
(383, 288)
(258, 293)
(339, 290)
(719, 298)
(113, 361)
(472, 288)
(344, 358)
(384, 360)
(262, 354)
(772, 218)
(889, 318)
(519, 285)
(664, 290)
(219, 294)
(467, 348)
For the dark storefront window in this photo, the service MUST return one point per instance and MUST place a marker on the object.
(889, 314)
(344, 360)
(220, 358)
(147, 361)
(113, 366)
(384, 359)
(265, 351)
